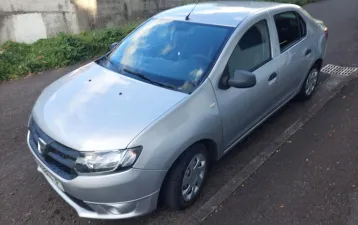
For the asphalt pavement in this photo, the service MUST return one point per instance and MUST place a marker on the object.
(26, 198)
(311, 179)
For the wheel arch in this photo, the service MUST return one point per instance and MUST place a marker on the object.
(319, 63)
(212, 149)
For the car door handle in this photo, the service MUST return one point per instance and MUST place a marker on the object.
(308, 52)
(272, 76)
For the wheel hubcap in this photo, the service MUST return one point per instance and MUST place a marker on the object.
(194, 177)
(311, 82)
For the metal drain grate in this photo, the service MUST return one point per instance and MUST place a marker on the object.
(339, 70)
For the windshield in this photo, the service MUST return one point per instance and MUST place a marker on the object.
(174, 54)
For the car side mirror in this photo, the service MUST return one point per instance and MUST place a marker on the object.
(113, 45)
(242, 79)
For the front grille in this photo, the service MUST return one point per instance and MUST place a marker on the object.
(59, 158)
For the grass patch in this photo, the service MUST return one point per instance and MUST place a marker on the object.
(19, 59)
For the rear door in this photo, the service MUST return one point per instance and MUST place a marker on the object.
(295, 51)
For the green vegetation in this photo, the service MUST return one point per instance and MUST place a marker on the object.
(18, 59)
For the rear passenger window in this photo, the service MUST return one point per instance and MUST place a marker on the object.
(252, 51)
(303, 26)
(290, 29)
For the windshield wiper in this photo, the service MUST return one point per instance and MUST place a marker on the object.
(106, 59)
(149, 80)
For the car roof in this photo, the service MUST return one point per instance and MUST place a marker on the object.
(225, 13)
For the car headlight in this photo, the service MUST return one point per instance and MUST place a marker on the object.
(107, 161)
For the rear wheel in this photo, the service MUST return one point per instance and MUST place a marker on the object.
(186, 178)
(310, 84)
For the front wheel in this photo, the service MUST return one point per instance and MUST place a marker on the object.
(186, 178)
(309, 85)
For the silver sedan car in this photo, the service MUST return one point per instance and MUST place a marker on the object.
(145, 121)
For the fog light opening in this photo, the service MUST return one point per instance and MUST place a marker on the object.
(113, 210)
(119, 208)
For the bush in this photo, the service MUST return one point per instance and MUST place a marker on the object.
(18, 59)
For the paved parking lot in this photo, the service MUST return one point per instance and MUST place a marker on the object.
(26, 198)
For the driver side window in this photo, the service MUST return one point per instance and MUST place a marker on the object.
(252, 51)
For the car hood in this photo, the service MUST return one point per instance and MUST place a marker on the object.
(95, 109)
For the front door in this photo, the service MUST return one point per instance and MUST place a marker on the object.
(242, 109)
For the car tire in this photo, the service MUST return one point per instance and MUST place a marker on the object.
(176, 195)
(310, 84)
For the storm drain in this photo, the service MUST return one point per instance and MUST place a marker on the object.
(339, 70)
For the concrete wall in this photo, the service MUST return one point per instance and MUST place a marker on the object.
(30, 20)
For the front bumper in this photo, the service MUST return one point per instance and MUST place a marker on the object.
(126, 194)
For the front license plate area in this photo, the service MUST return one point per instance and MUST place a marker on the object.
(52, 178)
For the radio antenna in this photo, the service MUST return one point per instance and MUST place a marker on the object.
(187, 17)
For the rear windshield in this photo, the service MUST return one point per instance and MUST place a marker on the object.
(174, 53)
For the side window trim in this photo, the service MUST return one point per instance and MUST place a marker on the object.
(269, 42)
(301, 20)
(298, 40)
